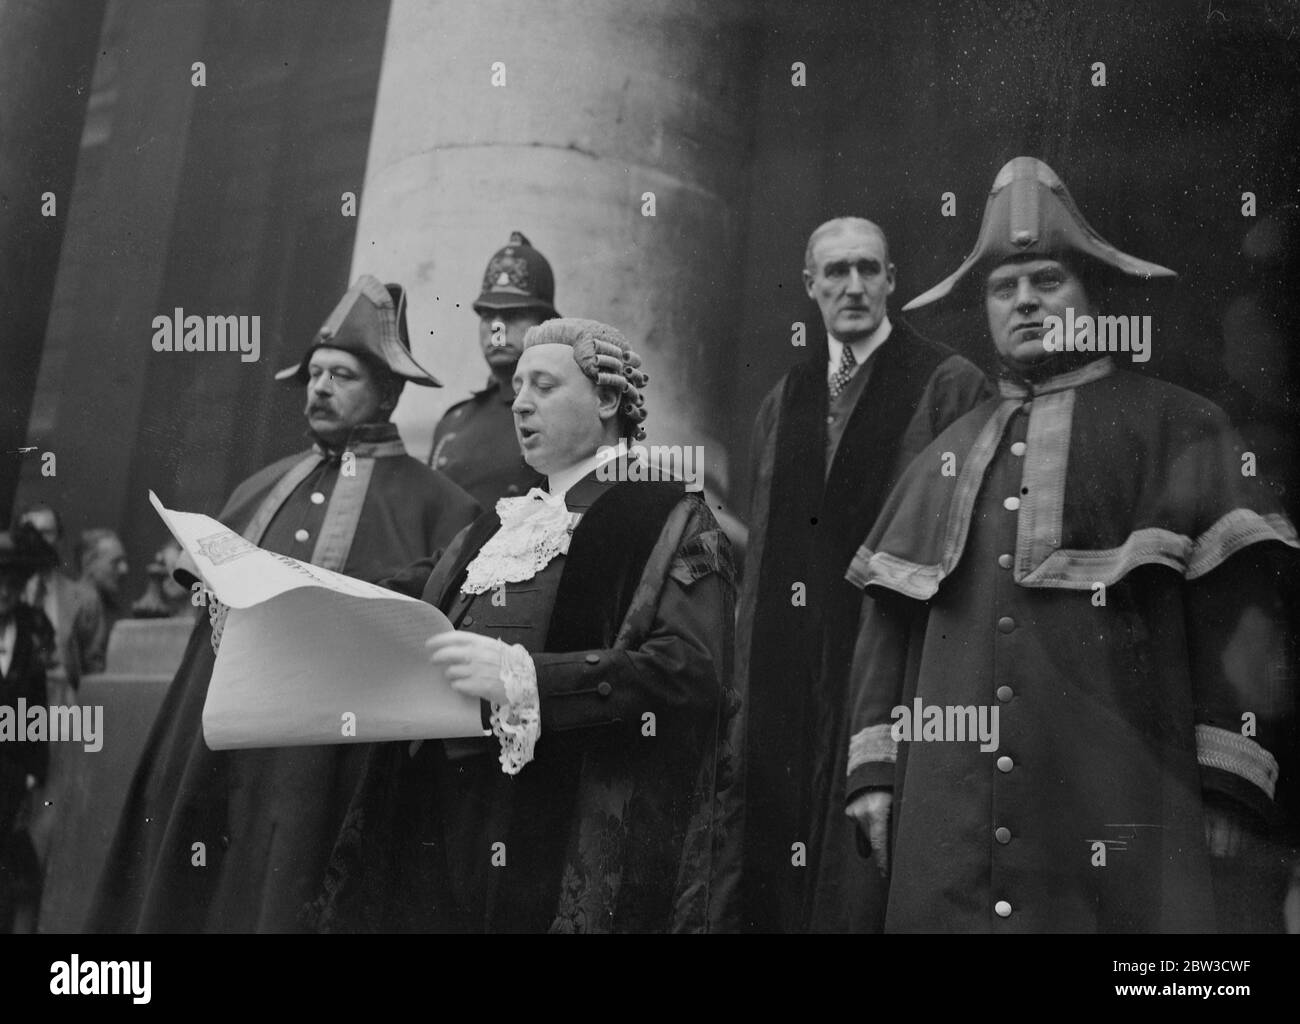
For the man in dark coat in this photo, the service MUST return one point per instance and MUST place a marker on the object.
(593, 619)
(474, 442)
(1065, 688)
(357, 504)
(828, 439)
(26, 643)
(72, 606)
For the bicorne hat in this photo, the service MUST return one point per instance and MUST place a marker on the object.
(370, 320)
(1030, 213)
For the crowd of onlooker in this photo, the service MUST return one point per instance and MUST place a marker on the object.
(56, 616)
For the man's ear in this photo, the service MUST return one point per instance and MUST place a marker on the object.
(607, 402)
(390, 391)
(808, 279)
(892, 279)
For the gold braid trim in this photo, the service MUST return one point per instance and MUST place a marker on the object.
(1231, 752)
(873, 744)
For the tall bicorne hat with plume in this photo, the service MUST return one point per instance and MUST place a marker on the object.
(605, 356)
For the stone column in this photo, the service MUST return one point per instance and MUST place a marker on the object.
(47, 51)
(601, 103)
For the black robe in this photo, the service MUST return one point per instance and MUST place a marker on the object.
(801, 867)
(612, 827)
(20, 874)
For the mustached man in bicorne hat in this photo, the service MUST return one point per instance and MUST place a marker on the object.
(1101, 573)
(593, 619)
(475, 442)
(355, 503)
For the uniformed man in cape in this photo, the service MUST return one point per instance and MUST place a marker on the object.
(475, 442)
(827, 441)
(235, 841)
(1095, 590)
(593, 618)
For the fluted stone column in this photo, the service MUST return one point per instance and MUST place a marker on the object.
(601, 103)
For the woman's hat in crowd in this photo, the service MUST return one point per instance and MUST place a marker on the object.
(23, 551)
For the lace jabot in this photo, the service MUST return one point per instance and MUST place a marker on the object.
(534, 529)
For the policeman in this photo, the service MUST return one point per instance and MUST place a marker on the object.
(475, 443)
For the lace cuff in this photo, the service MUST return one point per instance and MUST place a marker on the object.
(217, 616)
(517, 724)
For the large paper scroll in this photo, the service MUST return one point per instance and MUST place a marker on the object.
(310, 656)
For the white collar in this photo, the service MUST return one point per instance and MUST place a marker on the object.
(559, 482)
(862, 348)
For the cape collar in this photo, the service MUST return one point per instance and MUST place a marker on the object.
(1188, 511)
(368, 440)
(1086, 374)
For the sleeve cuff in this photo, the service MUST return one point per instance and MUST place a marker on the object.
(1238, 755)
(217, 613)
(518, 723)
(873, 753)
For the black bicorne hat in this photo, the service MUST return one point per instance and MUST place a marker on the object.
(370, 320)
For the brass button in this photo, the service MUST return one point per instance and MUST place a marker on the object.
(468, 620)
(1005, 764)
(830, 420)
(1002, 835)
(317, 498)
(1006, 561)
(442, 461)
(604, 689)
(1002, 908)
(1018, 448)
(1005, 693)
(592, 659)
(1006, 624)
(301, 535)
(1011, 504)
